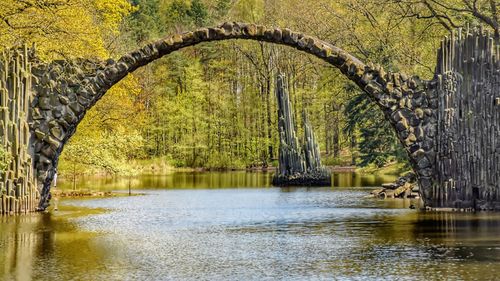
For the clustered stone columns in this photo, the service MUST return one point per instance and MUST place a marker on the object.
(18, 184)
(468, 113)
(298, 165)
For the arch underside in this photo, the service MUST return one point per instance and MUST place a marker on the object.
(66, 90)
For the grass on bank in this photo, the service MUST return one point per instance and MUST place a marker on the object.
(70, 170)
(393, 168)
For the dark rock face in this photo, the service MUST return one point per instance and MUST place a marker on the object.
(449, 125)
(320, 177)
(468, 124)
(65, 90)
(297, 165)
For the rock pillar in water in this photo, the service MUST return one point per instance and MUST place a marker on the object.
(296, 166)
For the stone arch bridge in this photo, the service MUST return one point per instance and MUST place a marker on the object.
(449, 126)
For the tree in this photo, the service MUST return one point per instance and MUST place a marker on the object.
(145, 22)
(452, 14)
(71, 28)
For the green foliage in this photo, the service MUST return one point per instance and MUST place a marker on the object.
(110, 153)
(198, 13)
(249, 10)
(62, 29)
(222, 8)
(330, 160)
(145, 23)
(182, 14)
(110, 136)
(377, 141)
(5, 159)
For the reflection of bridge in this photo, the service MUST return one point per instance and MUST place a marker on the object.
(450, 126)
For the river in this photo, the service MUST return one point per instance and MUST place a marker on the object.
(235, 226)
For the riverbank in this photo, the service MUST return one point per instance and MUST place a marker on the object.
(158, 165)
(89, 194)
(161, 166)
(393, 168)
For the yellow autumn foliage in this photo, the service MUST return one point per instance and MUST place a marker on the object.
(72, 28)
(80, 29)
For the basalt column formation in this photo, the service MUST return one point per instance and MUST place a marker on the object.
(468, 140)
(296, 166)
(18, 184)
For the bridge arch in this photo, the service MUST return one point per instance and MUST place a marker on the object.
(66, 90)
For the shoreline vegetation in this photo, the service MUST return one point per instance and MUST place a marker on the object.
(155, 167)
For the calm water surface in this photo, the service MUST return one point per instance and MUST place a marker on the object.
(234, 226)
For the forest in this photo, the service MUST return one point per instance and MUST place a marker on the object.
(214, 106)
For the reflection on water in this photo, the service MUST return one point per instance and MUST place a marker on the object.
(33, 246)
(212, 180)
(247, 233)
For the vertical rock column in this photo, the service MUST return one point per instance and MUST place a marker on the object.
(468, 142)
(18, 184)
(296, 166)
(311, 148)
(290, 155)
